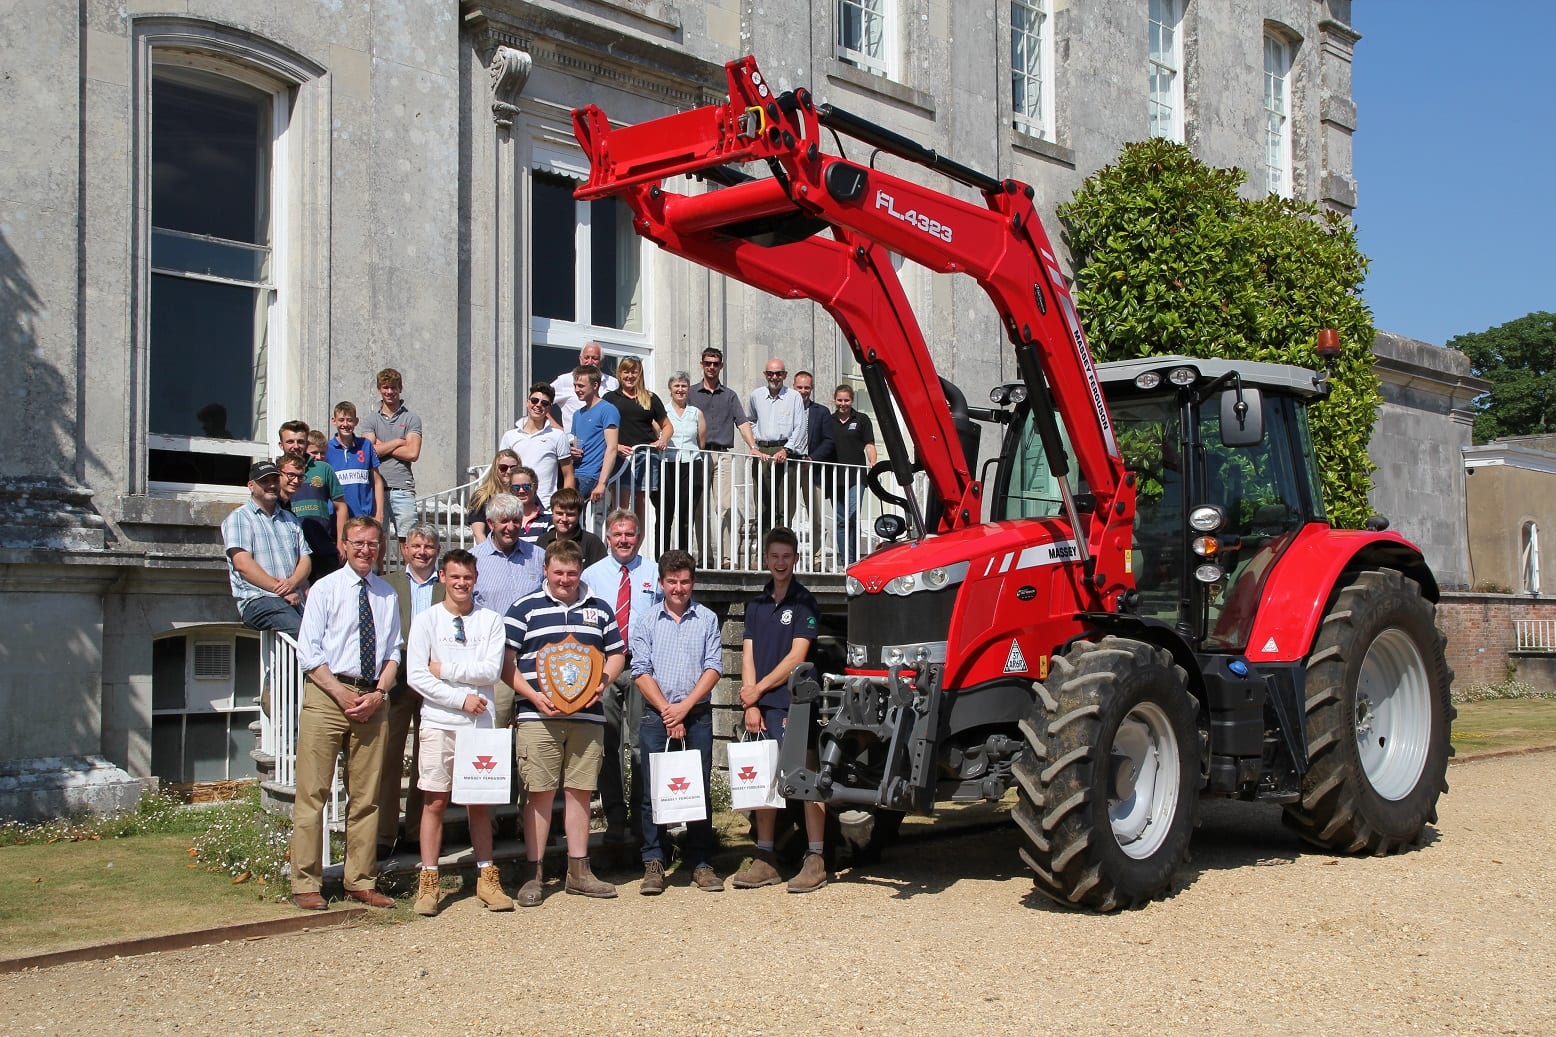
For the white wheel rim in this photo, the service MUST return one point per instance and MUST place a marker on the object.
(1393, 714)
(1143, 820)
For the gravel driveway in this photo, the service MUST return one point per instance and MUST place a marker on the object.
(1262, 936)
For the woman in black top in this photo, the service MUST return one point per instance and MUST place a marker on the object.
(643, 424)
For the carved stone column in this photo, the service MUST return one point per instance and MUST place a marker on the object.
(508, 70)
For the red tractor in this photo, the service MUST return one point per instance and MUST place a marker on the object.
(1170, 618)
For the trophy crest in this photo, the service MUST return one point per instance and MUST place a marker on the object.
(568, 673)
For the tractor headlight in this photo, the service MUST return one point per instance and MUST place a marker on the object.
(1148, 380)
(1208, 573)
(852, 586)
(1183, 377)
(1207, 518)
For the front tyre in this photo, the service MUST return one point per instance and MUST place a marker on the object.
(1109, 782)
(1379, 717)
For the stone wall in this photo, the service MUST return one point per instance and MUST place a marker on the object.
(1422, 429)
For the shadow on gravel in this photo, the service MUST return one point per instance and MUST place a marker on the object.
(915, 867)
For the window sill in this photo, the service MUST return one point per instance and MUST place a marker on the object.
(891, 90)
(1042, 148)
(161, 507)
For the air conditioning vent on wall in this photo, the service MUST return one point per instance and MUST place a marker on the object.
(213, 660)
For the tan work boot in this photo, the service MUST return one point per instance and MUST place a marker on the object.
(812, 876)
(762, 871)
(581, 880)
(533, 891)
(653, 878)
(707, 879)
(428, 893)
(488, 886)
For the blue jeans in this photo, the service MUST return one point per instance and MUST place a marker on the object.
(271, 613)
(848, 524)
(699, 844)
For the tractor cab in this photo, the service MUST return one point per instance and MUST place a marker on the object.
(1225, 477)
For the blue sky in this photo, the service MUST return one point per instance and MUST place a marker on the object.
(1455, 158)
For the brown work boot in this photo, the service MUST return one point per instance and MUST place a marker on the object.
(812, 876)
(653, 878)
(762, 871)
(533, 891)
(581, 880)
(428, 893)
(707, 879)
(488, 886)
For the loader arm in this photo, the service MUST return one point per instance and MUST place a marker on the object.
(1001, 245)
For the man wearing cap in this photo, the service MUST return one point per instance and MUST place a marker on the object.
(267, 556)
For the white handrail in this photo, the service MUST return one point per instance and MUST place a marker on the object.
(1535, 635)
(281, 701)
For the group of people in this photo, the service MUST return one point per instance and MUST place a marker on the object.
(428, 649)
(618, 444)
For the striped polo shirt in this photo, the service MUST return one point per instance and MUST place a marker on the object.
(537, 620)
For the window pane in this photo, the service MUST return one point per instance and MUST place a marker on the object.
(180, 253)
(207, 359)
(553, 257)
(167, 747)
(245, 671)
(167, 673)
(210, 156)
(205, 747)
(614, 252)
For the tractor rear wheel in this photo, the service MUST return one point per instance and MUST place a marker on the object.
(1379, 717)
(1109, 781)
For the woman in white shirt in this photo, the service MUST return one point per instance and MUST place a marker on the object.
(680, 502)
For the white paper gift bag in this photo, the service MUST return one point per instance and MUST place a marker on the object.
(483, 761)
(678, 794)
(753, 774)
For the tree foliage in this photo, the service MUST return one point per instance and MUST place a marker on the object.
(1519, 360)
(1169, 259)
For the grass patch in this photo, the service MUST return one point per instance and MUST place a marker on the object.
(74, 894)
(1500, 725)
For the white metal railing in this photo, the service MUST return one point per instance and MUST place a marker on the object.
(1536, 635)
(281, 699)
(719, 507)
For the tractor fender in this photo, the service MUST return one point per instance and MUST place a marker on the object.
(1311, 572)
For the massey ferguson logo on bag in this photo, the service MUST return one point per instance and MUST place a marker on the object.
(484, 763)
(748, 774)
(679, 784)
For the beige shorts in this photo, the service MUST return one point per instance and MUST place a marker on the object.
(565, 752)
(435, 766)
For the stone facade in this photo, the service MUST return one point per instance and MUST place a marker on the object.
(1418, 446)
(1511, 514)
(419, 158)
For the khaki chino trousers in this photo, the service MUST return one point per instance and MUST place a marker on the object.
(323, 733)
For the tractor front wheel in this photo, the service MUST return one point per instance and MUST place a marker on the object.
(1109, 781)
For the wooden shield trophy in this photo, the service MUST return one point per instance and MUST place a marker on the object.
(568, 673)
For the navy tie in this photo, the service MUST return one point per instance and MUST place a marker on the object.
(367, 637)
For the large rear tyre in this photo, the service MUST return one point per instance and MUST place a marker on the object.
(1109, 781)
(1379, 717)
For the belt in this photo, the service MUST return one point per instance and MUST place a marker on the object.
(718, 449)
(358, 682)
(771, 442)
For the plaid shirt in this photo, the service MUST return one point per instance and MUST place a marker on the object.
(675, 654)
(276, 542)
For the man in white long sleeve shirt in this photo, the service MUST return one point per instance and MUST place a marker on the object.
(454, 657)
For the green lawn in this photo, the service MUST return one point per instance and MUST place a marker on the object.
(1498, 725)
(75, 894)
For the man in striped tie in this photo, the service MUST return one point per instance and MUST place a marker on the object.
(349, 647)
(622, 577)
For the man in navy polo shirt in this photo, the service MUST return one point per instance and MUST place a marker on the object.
(781, 627)
(554, 749)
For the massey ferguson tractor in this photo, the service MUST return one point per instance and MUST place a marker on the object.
(1146, 607)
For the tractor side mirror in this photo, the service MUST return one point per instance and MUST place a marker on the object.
(1242, 417)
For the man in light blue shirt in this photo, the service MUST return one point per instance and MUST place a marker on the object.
(676, 661)
(626, 581)
(507, 566)
(782, 435)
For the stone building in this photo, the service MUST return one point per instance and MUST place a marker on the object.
(219, 216)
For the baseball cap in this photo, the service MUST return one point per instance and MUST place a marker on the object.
(263, 470)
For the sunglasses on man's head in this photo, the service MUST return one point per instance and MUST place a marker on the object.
(713, 363)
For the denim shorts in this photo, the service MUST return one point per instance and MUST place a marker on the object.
(402, 511)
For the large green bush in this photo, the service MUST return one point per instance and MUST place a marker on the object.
(1169, 259)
